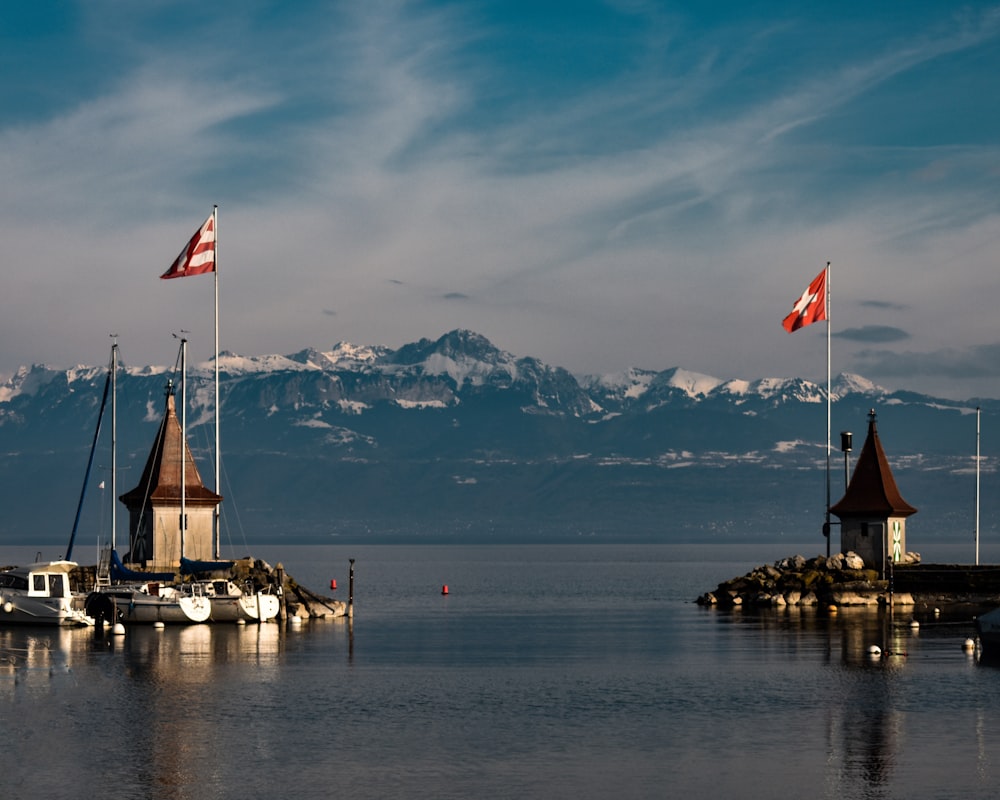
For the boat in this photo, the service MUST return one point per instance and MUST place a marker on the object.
(40, 594)
(232, 604)
(148, 603)
(988, 627)
(129, 596)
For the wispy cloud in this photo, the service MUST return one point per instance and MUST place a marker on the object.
(632, 190)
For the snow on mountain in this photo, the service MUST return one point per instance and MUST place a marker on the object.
(347, 356)
(462, 355)
(233, 364)
(848, 383)
(631, 384)
(774, 390)
(693, 384)
(27, 380)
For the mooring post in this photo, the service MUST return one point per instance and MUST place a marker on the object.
(350, 593)
(280, 572)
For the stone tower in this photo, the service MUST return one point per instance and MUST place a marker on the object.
(872, 512)
(156, 540)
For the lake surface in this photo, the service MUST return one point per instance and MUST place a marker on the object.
(546, 672)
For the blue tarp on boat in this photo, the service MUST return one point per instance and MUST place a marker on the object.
(190, 567)
(119, 572)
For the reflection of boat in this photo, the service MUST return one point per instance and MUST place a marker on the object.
(988, 625)
(39, 594)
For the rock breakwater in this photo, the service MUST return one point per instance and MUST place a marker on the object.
(838, 580)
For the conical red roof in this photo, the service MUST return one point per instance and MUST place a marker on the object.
(872, 490)
(161, 477)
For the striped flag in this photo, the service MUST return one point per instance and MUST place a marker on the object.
(198, 257)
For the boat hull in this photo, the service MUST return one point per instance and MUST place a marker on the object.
(40, 594)
(136, 607)
(230, 604)
(60, 611)
(988, 626)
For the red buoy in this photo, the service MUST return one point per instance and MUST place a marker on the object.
(444, 589)
(333, 583)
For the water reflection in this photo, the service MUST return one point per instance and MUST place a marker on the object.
(36, 655)
(865, 696)
(191, 652)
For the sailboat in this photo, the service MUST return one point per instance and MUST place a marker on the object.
(131, 596)
(40, 594)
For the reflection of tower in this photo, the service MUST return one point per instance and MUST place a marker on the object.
(872, 512)
(873, 726)
(155, 504)
(865, 725)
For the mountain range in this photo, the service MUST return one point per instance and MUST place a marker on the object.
(454, 439)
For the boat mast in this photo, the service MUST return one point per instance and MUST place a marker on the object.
(114, 437)
(90, 464)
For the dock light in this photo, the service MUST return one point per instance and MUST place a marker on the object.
(846, 441)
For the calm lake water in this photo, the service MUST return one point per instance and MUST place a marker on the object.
(546, 672)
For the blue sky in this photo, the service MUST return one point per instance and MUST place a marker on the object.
(598, 184)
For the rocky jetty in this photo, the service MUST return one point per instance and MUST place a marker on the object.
(838, 580)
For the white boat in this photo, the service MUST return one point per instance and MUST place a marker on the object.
(40, 594)
(149, 602)
(230, 603)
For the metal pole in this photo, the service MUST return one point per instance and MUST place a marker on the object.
(828, 401)
(350, 593)
(977, 485)
(216, 534)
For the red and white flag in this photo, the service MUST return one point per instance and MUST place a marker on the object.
(809, 308)
(198, 257)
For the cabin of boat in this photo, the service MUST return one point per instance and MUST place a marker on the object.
(39, 594)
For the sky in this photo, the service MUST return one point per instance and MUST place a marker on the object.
(601, 185)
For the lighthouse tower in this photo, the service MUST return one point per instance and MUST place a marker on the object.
(872, 512)
(157, 539)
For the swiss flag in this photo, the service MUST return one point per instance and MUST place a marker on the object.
(809, 308)
(198, 257)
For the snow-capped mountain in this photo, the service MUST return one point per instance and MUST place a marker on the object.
(456, 437)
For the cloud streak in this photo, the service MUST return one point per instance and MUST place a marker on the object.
(639, 185)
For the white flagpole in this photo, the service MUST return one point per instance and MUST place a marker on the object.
(218, 487)
(828, 402)
(183, 442)
(977, 484)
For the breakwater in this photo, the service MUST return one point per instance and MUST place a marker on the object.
(844, 580)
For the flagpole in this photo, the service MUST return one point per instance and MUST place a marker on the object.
(828, 404)
(218, 487)
(977, 484)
